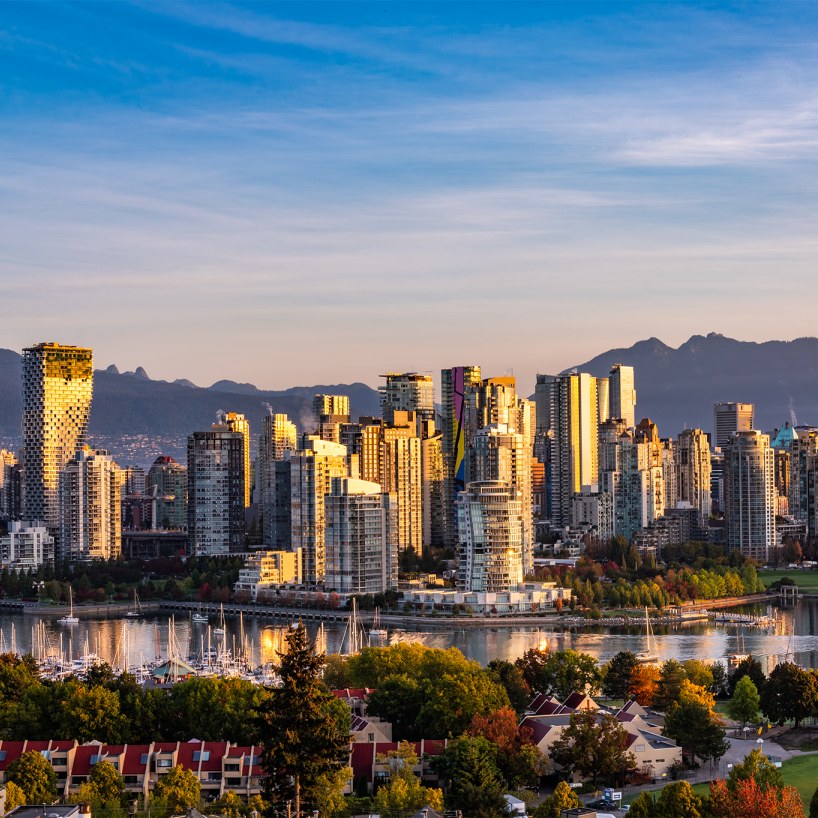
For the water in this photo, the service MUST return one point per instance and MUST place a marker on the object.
(121, 640)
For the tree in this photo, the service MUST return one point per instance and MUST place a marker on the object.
(230, 805)
(404, 792)
(560, 673)
(643, 806)
(563, 798)
(669, 688)
(35, 777)
(789, 693)
(302, 728)
(643, 684)
(177, 791)
(329, 792)
(697, 730)
(105, 784)
(758, 767)
(593, 746)
(748, 667)
(699, 673)
(93, 713)
(749, 800)
(679, 801)
(743, 707)
(468, 766)
(511, 678)
(813, 804)
(618, 672)
(15, 797)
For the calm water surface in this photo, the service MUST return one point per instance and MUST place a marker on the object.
(119, 641)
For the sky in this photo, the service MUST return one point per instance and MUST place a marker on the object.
(303, 193)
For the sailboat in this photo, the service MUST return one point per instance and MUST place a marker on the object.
(377, 634)
(70, 619)
(650, 655)
(220, 630)
(136, 611)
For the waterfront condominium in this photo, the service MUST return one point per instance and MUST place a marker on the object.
(57, 389)
(360, 538)
(490, 534)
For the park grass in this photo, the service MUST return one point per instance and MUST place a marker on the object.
(807, 580)
(800, 772)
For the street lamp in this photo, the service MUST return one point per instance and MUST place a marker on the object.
(760, 743)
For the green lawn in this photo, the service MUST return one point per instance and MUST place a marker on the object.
(808, 580)
(800, 772)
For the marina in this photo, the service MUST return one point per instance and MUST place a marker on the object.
(249, 644)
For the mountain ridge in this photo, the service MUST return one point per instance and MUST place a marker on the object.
(677, 387)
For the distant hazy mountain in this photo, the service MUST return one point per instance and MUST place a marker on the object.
(678, 387)
(131, 403)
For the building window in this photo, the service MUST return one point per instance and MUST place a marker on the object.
(201, 755)
(164, 762)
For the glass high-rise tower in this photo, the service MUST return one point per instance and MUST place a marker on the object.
(57, 389)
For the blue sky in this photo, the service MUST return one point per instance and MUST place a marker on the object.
(294, 193)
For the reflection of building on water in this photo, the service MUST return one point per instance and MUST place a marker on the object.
(259, 641)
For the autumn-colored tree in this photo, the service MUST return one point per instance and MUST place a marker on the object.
(404, 793)
(643, 684)
(563, 798)
(678, 800)
(690, 692)
(15, 797)
(749, 800)
(500, 728)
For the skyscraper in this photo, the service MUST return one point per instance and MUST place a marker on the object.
(57, 389)
(166, 486)
(311, 471)
(575, 421)
(408, 392)
(693, 473)
(490, 533)
(622, 394)
(455, 383)
(236, 422)
(501, 455)
(729, 418)
(330, 406)
(749, 494)
(278, 437)
(215, 474)
(361, 545)
(90, 510)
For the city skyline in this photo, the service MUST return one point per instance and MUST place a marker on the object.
(313, 177)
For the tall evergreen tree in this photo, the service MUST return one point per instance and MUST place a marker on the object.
(304, 731)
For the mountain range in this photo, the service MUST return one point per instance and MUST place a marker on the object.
(678, 387)
(130, 404)
(675, 387)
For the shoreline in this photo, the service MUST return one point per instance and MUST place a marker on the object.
(393, 618)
